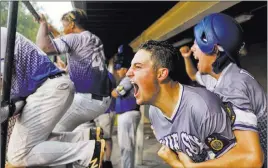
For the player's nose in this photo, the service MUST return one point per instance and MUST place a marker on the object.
(130, 73)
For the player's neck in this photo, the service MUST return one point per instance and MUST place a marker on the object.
(79, 30)
(214, 75)
(169, 96)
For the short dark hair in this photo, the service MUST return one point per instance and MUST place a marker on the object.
(78, 16)
(163, 55)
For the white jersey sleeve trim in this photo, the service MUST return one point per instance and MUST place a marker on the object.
(198, 78)
(245, 120)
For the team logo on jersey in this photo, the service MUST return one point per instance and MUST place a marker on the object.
(216, 144)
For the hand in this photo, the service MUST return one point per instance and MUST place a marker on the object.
(169, 157)
(42, 19)
(8, 165)
(114, 93)
(50, 27)
(185, 159)
(53, 30)
(185, 51)
(60, 64)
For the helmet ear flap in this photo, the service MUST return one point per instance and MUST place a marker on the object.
(217, 49)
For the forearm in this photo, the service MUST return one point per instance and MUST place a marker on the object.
(176, 164)
(231, 162)
(231, 159)
(190, 69)
(42, 39)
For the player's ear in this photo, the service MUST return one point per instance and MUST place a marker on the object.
(162, 74)
(72, 25)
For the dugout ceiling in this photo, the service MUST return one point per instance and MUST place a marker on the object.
(134, 22)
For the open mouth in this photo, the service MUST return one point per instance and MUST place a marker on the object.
(198, 65)
(136, 89)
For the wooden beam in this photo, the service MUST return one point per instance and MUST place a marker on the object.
(181, 17)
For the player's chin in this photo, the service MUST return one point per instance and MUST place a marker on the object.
(139, 101)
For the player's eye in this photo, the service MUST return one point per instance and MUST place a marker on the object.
(137, 66)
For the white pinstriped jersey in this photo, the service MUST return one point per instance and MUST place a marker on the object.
(249, 100)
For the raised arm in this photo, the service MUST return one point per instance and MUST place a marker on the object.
(190, 69)
(43, 40)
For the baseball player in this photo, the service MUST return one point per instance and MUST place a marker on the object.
(86, 67)
(184, 118)
(48, 93)
(126, 108)
(105, 122)
(218, 41)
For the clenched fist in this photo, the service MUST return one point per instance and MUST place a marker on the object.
(185, 51)
(169, 157)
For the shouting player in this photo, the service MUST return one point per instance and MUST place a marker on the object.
(218, 41)
(184, 118)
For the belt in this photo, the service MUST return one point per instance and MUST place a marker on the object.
(56, 75)
(97, 97)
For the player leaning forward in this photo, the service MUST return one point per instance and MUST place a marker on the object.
(184, 118)
(48, 93)
(218, 40)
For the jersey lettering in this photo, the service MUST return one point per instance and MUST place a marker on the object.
(192, 143)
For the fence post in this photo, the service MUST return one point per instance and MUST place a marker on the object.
(11, 34)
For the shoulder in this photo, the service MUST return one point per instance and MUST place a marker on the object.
(202, 103)
(70, 36)
(238, 84)
(199, 95)
(89, 35)
(237, 78)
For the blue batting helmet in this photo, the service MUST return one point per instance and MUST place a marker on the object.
(219, 29)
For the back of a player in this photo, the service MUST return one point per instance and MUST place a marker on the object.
(249, 101)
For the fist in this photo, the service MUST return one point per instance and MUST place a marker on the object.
(167, 154)
(169, 157)
(185, 51)
(42, 19)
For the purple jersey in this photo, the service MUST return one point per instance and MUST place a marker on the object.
(86, 62)
(31, 65)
